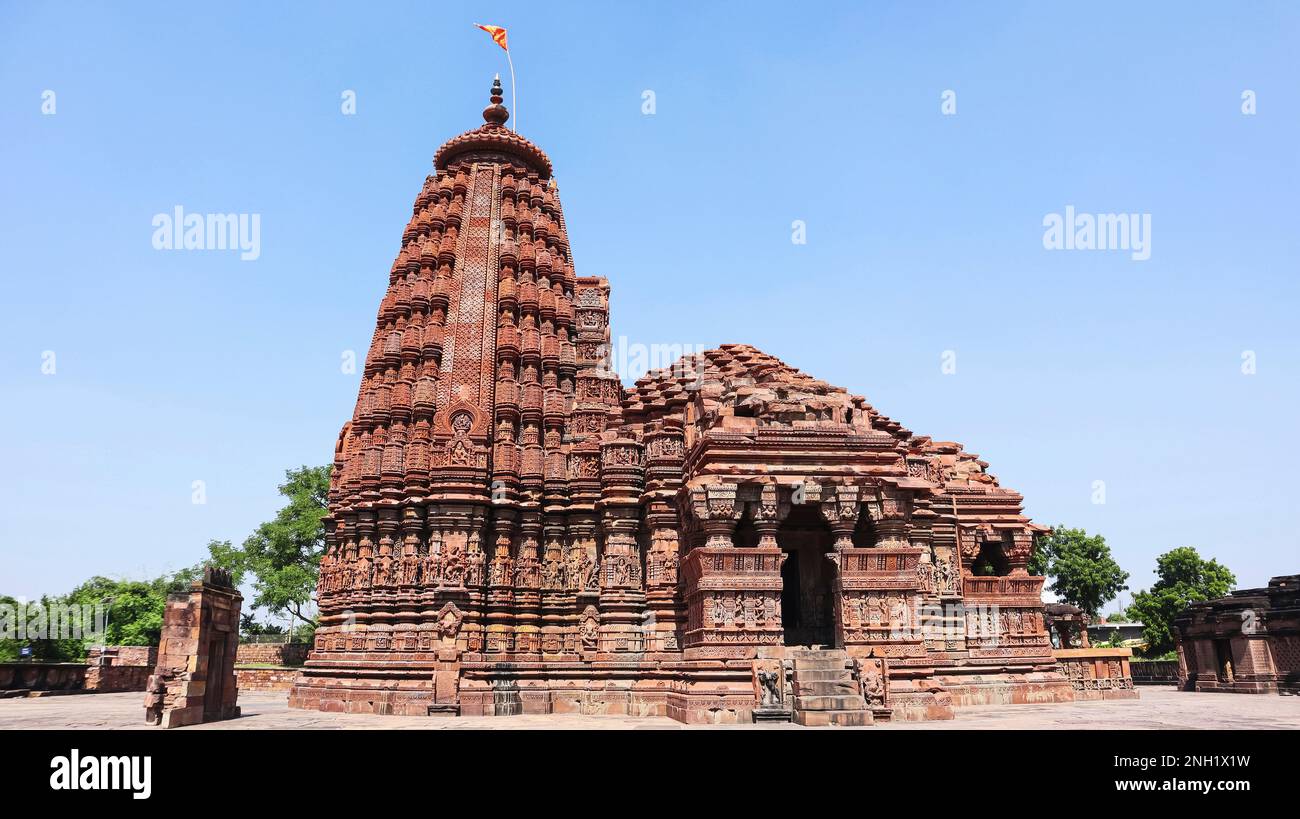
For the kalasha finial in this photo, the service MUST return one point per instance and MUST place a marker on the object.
(496, 113)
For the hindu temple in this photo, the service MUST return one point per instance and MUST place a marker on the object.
(512, 530)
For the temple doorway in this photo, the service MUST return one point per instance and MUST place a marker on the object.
(807, 579)
(214, 692)
(1223, 653)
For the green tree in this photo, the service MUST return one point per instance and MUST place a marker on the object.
(1081, 567)
(134, 607)
(1040, 558)
(40, 619)
(1112, 641)
(132, 612)
(221, 553)
(9, 642)
(1183, 577)
(250, 627)
(283, 555)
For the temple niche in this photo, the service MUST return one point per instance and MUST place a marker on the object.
(511, 530)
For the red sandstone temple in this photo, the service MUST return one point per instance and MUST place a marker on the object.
(511, 530)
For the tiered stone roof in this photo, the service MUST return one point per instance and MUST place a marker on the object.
(475, 331)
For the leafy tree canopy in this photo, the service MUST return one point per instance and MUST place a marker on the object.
(1080, 565)
(282, 559)
(132, 615)
(1182, 577)
(283, 555)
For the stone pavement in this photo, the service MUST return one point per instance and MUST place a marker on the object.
(1158, 708)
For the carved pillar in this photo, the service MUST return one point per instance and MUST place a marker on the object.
(891, 529)
(556, 601)
(432, 563)
(388, 525)
(407, 559)
(841, 507)
(666, 609)
(720, 513)
(347, 534)
(498, 623)
(622, 598)
(768, 514)
(365, 550)
(582, 579)
(528, 581)
(949, 629)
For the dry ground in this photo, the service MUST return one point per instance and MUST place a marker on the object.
(1158, 707)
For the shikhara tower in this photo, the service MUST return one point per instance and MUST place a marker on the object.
(510, 529)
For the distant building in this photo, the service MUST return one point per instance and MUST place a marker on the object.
(1246, 643)
(1102, 632)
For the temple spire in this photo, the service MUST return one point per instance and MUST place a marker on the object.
(496, 113)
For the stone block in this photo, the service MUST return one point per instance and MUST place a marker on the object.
(828, 718)
(829, 703)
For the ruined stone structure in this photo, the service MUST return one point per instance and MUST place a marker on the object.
(1098, 673)
(120, 668)
(106, 669)
(1245, 643)
(1067, 625)
(194, 680)
(269, 666)
(510, 529)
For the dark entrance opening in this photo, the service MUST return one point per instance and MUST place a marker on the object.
(791, 615)
(1189, 657)
(1223, 653)
(991, 560)
(807, 579)
(212, 694)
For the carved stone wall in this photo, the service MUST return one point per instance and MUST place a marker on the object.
(1098, 673)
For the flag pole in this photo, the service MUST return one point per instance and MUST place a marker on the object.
(499, 37)
(514, 103)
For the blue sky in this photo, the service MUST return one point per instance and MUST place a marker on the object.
(924, 235)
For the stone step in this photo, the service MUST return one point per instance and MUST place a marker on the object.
(815, 653)
(827, 688)
(444, 709)
(822, 675)
(823, 718)
(831, 702)
(818, 665)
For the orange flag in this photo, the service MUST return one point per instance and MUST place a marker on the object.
(498, 35)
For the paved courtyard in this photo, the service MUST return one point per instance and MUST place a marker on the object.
(1158, 708)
